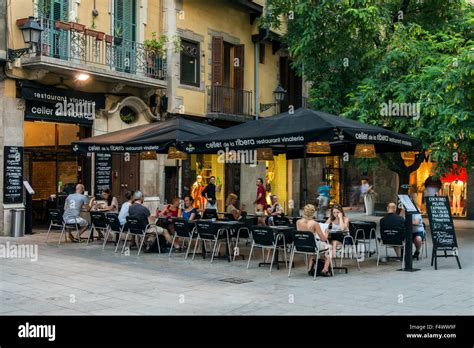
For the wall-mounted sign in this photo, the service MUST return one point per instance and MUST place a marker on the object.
(13, 174)
(103, 172)
(47, 103)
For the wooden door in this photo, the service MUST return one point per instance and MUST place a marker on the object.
(125, 174)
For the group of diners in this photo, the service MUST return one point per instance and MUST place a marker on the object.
(328, 235)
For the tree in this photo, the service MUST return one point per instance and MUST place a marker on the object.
(366, 58)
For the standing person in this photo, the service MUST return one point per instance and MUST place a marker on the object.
(111, 203)
(355, 196)
(72, 211)
(323, 199)
(364, 189)
(307, 223)
(261, 200)
(209, 193)
(125, 207)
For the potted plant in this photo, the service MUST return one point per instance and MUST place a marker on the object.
(118, 35)
(94, 33)
(77, 26)
(21, 22)
(63, 25)
(109, 38)
(155, 47)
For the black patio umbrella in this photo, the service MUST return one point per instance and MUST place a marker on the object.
(290, 133)
(158, 136)
(294, 133)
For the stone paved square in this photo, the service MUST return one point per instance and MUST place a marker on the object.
(75, 279)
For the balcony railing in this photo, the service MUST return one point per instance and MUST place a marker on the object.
(226, 100)
(112, 53)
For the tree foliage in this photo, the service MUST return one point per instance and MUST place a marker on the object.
(361, 55)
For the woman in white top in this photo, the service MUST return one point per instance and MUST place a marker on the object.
(307, 223)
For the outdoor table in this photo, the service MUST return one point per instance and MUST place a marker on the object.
(228, 226)
(286, 232)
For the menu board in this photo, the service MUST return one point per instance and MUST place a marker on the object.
(103, 172)
(408, 204)
(441, 223)
(13, 174)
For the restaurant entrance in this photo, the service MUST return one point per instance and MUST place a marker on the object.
(125, 174)
(50, 165)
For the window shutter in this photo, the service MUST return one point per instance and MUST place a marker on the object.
(125, 18)
(217, 60)
(239, 56)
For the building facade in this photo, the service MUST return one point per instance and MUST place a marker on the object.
(90, 73)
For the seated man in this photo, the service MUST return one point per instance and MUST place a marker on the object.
(392, 221)
(139, 211)
(72, 211)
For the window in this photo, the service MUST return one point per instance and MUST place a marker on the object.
(190, 63)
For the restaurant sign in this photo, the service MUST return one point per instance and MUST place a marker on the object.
(59, 105)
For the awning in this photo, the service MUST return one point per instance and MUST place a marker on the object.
(289, 133)
(149, 137)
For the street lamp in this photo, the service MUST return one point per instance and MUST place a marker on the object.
(31, 32)
(279, 94)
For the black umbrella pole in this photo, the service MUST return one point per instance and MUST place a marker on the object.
(305, 178)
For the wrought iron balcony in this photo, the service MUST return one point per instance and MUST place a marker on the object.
(229, 101)
(96, 50)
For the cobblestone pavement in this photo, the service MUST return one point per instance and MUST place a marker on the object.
(76, 279)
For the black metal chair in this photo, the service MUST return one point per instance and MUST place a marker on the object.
(55, 217)
(281, 220)
(115, 228)
(209, 214)
(207, 231)
(305, 243)
(394, 237)
(98, 224)
(136, 228)
(183, 229)
(267, 238)
(360, 236)
(243, 232)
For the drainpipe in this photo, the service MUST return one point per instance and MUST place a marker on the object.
(256, 45)
(257, 99)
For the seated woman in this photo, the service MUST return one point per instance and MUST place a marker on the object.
(338, 221)
(274, 210)
(307, 223)
(230, 203)
(171, 210)
(111, 203)
(189, 212)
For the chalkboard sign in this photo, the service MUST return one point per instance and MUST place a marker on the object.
(103, 172)
(13, 174)
(441, 223)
